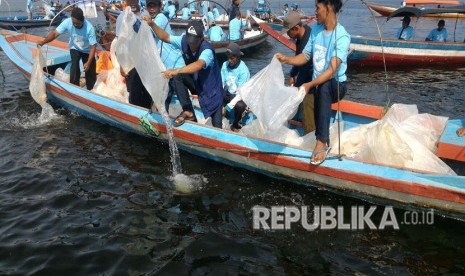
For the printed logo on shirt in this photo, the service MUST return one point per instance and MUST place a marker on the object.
(319, 58)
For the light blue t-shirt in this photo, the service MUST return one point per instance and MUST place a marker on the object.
(406, 34)
(216, 13)
(210, 16)
(170, 56)
(205, 5)
(192, 6)
(321, 46)
(119, 20)
(206, 55)
(440, 36)
(171, 11)
(186, 14)
(79, 39)
(234, 78)
(235, 27)
(215, 33)
(165, 6)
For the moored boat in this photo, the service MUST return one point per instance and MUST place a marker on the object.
(354, 178)
(18, 22)
(387, 11)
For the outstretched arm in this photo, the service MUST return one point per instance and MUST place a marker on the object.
(159, 32)
(298, 60)
(188, 69)
(50, 37)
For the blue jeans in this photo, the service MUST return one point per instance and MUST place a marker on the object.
(217, 118)
(326, 95)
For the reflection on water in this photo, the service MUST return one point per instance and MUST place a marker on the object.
(79, 197)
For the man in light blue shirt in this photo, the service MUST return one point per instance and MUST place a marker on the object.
(171, 10)
(405, 32)
(215, 33)
(235, 27)
(186, 14)
(210, 15)
(234, 73)
(82, 45)
(216, 12)
(192, 7)
(439, 34)
(172, 59)
(205, 5)
(328, 47)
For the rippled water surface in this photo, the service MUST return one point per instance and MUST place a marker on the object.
(79, 197)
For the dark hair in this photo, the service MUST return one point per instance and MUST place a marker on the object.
(337, 4)
(157, 3)
(441, 22)
(406, 19)
(238, 13)
(78, 14)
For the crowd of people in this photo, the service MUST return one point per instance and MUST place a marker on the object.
(319, 65)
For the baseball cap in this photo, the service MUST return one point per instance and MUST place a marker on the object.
(290, 21)
(194, 31)
(234, 50)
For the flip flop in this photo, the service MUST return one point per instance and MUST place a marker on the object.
(319, 162)
(182, 118)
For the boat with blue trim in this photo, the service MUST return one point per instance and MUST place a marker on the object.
(354, 178)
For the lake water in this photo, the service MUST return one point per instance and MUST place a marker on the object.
(79, 197)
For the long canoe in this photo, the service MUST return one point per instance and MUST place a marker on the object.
(368, 51)
(387, 11)
(445, 193)
(18, 22)
(249, 41)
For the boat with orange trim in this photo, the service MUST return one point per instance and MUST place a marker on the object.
(445, 193)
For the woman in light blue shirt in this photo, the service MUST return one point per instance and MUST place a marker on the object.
(186, 14)
(328, 47)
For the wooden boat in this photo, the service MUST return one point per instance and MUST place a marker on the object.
(368, 51)
(387, 11)
(19, 22)
(250, 40)
(353, 178)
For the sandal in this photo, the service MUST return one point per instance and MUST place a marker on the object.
(182, 118)
(319, 162)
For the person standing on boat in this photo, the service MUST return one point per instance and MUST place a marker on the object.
(138, 95)
(285, 10)
(234, 73)
(186, 14)
(234, 8)
(82, 45)
(405, 32)
(292, 25)
(201, 62)
(328, 46)
(29, 9)
(172, 59)
(192, 6)
(439, 34)
(236, 27)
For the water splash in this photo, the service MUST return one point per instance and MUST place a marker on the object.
(34, 120)
(175, 158)
(187, 184)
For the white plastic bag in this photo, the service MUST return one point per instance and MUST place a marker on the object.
(37, 83)
(149, 65)
(124, 52)
(402, 138)
(269, 99)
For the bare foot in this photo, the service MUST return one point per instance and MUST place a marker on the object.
(461, 131)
